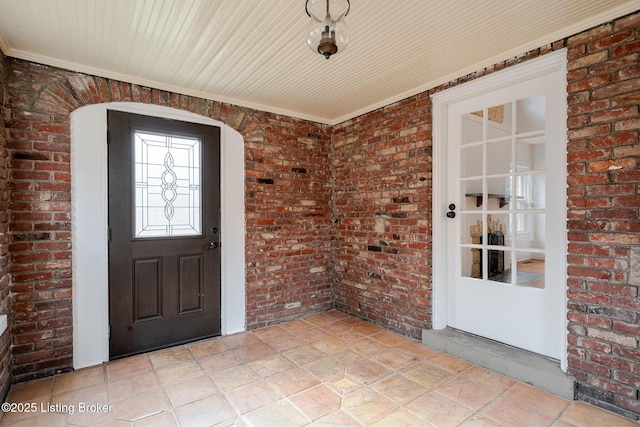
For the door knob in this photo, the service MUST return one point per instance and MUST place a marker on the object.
(212, 245)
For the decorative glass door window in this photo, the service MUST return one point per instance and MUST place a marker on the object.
(167, 196)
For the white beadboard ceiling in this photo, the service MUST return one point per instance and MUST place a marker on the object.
(253, 52)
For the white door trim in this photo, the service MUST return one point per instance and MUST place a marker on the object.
(89, 195)
(554, 62)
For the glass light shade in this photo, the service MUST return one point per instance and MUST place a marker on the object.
(327, 33)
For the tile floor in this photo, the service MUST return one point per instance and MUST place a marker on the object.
(326, 369)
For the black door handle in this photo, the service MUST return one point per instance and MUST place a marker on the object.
(451, 213)
(212, 245)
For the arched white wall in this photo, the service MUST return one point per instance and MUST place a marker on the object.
(89, 198)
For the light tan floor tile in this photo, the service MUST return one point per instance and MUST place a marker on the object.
(366, 371)
(207, 347)
(418, 350)
(252, 396)
(170, 358)
(511, 412)
(400, 418)
(251, 352)
(335, 419)
(540, 400)
(220, 361)
(336, 328)
(330, 345)
(317, 401)
(206, 412)
(488, 379)
(179, 373)
(337, 314)
(284, 342)
(399, 389)
(391, 339)
(43, 420)
(127, 387)
(368, 346)
(281, 413)
(343, 385)
(90, 416)
(296, 325)
(426, 375)
(320, 319)
(366, 328)
(234, 377)
(94, 393)
(438, 410)
(347, 357)
(325, 368)
(304, 354)
(165, 419)
(12, 416)
(479, 420)
(368, 406)
(394, 359)
(268, 333)
(239, 340)
(312, 335)
(128, 367)
(30, 390)
(292, 381)
(583, 414)
(140, 406)
(351, 336)
(271, 365)
(78, 379)
(466, 393)
(190, 390)
(449, 363)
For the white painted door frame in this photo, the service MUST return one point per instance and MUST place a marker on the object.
(551, 63)
(89, 199)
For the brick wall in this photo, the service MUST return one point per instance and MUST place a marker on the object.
(604, 214)
(382, 214)
(5, 340)
(287, 207)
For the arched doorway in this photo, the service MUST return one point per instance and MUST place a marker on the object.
(89, 225)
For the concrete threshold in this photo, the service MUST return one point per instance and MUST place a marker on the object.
(512, 362)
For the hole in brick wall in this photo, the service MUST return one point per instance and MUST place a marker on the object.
(22, 237)
(401, 200)
(268, 181)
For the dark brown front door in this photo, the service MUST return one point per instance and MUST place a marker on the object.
(164, 216)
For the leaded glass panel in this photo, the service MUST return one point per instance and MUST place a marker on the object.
(167, 197)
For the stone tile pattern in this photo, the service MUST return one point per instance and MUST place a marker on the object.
(324, 369)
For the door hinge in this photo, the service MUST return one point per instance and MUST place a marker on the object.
(108, 234)
(109, 332)
(108, 136)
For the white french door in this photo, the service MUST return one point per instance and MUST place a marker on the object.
(505, 214)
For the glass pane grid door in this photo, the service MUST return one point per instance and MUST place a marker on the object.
(502, 193)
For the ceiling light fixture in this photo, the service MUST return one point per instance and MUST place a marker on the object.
(327, 36)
